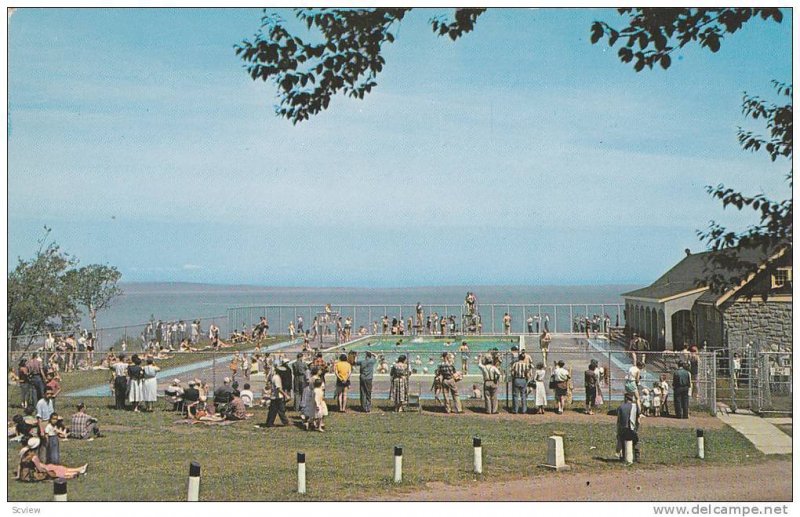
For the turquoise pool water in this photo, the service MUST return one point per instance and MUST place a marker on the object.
(425, 352)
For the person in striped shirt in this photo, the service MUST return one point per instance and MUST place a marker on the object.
(491, 378)
(521, 372)
(447, 372)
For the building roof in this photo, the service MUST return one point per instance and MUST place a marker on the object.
(687, 276)
(683, 277)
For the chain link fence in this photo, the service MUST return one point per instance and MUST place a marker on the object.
(755, 377)
(614, 366)
(124, 338)
(458, 318)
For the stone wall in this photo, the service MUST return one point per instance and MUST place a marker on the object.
(767, 324)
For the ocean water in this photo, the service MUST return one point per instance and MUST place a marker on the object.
(171, 301)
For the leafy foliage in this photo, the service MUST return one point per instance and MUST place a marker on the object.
(39, 295)
(46, 292)
(94, 287)
(653, 34)
(728, 265)
(463, 23)
(346, 60)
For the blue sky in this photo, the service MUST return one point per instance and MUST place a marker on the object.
(520, 154)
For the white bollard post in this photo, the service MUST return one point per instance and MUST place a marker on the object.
(398, 464)
(629, 452)
(194, 482)
(60, 490)
(301, 473)
(477, 455)
(701, 445)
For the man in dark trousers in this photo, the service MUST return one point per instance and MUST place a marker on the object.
(681, 380)
(277, 400)
(300, 378)
(627, 425)
(282, 368)
(120, 370)
(366, 370)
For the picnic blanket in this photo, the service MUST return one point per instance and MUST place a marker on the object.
(207, 422)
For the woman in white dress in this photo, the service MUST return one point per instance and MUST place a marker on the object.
(135, 375)
(539, 378)
(150, 385)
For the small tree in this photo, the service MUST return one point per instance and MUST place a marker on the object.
(94, 287)
(39, 296)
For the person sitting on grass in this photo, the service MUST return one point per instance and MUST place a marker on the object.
(236, 410)
(31, 468)
(223, 395)
(476, 392)
(174, 394)
(25, 426)
(191, 398)
(247, 396)
(83, 426)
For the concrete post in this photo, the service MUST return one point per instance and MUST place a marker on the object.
(477, 457)
(193, 492)
(60, 490)
(398, 464)
(701, 445)
(301, 473)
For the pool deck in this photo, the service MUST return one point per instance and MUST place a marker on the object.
(166, 376)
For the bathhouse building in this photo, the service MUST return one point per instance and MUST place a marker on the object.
(678, 309)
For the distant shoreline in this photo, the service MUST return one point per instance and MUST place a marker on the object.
(205, 285)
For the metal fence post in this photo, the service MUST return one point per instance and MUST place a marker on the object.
(555, 319)
(713, 394)
(494, 332)
(571, 320)
(610, 379)
(731, 380)
(214, 369)
(751, 378)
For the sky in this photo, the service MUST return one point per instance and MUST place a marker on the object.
(519, 155)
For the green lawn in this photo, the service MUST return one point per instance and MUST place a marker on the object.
(145, 457)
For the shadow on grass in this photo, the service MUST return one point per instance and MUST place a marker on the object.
(608, 460)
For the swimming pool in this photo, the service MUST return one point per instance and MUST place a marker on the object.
(424, 353)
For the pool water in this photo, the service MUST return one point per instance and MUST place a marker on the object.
(425, 352)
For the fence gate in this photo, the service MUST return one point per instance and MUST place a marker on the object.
(774, 390)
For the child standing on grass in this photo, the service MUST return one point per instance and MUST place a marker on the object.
(656, 393)
(647, 402)
(321, 407)
(52, 433)
(664, 409)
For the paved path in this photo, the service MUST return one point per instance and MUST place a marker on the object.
(764, 435)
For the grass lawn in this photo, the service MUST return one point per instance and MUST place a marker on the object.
(145, 457)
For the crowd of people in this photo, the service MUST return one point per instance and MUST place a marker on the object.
(40, 428)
